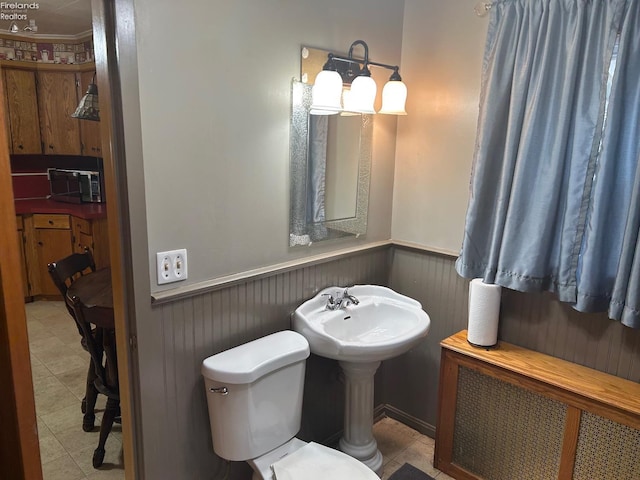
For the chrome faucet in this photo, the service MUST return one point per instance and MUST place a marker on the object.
(341, 300)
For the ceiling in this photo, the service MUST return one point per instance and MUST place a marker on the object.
(57, 17)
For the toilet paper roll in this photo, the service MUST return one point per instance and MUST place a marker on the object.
(484, 313)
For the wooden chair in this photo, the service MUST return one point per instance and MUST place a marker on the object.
(106, 366)
(63, 273)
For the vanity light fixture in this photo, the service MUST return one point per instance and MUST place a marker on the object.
(88, 108)
(360, 89)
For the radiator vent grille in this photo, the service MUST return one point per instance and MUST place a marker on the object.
(503, 432)
(606, 450)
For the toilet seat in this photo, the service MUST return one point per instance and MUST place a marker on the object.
(317, 462)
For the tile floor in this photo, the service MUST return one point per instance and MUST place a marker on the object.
(400, 444)
(59, 367)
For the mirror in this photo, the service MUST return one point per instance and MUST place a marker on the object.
(330, 172)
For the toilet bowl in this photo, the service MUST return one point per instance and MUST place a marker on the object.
(254, 395)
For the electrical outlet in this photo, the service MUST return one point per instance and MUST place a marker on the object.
(171, 266)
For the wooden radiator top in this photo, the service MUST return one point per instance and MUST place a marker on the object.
(587, 382)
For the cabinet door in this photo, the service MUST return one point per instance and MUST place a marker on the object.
(22, 109)
(23, 264)
(82, 234)
(52, 245)
(57, 100)
(89, 130)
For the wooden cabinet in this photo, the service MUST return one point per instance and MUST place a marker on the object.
(23, 260)
(22, 111)
(51, 237)
(89, 130)
(509, 412)
(57, 100)
(53, 241)
(92, 234)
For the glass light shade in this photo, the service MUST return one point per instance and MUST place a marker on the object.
(362, 95)
(326, 92)
(347, 103)
(88, 108)
(394, 98)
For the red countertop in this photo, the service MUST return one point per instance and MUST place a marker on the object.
(88, 211)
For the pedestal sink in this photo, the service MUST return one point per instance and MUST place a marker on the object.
(382, 325)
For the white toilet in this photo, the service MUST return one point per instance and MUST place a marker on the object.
(254, 394)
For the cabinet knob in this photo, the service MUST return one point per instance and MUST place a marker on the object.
(20, 147)
(40, 243)
(50, 222)
(51, 147)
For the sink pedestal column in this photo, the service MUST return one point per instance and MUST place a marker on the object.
(357, 439)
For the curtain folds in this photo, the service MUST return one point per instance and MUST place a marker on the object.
(554, 200)
(317, 174)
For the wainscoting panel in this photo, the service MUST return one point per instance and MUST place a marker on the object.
(196, 327)
(539, 322)
(410, 382)
(535, 321)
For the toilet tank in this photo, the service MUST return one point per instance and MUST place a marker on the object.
(254, 394)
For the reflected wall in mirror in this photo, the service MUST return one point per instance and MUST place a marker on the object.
(330, 172)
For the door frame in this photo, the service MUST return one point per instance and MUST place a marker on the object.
(19, 448)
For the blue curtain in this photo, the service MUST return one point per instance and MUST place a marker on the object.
(555, 189)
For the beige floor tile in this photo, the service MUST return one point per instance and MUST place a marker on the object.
(390, 468)
(63, 468)
(113, 458)
(37, 347)
(76, 439)
(111, 474)
(38, 331)
(66, 363)
(76, 379)
(443, 476)
(43, 430)
(420, 456)
(64, 419)
(53, 397)
(40, 372)
(392, 438)
(50, 448)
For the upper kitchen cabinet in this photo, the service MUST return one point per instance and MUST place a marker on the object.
(22, 110)
(89, 130)
(57, 100)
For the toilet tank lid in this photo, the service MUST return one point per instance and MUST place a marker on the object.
(248, 362)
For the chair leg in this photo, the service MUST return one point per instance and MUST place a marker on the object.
(105, 428)
(89, 402)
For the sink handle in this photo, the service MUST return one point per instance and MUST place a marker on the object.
(331, 302)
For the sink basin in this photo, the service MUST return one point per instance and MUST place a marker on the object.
(383, 325)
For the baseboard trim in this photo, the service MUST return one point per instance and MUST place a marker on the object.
(386, 410)
(407, 419)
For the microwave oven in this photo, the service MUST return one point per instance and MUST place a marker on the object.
(75, 186)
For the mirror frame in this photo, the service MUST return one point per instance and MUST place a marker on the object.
(300, 231)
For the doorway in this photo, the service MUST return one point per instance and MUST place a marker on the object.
(60, 376)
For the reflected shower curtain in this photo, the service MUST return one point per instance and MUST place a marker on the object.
(554, 200)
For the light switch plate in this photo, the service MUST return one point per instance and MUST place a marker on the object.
(171, 266)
